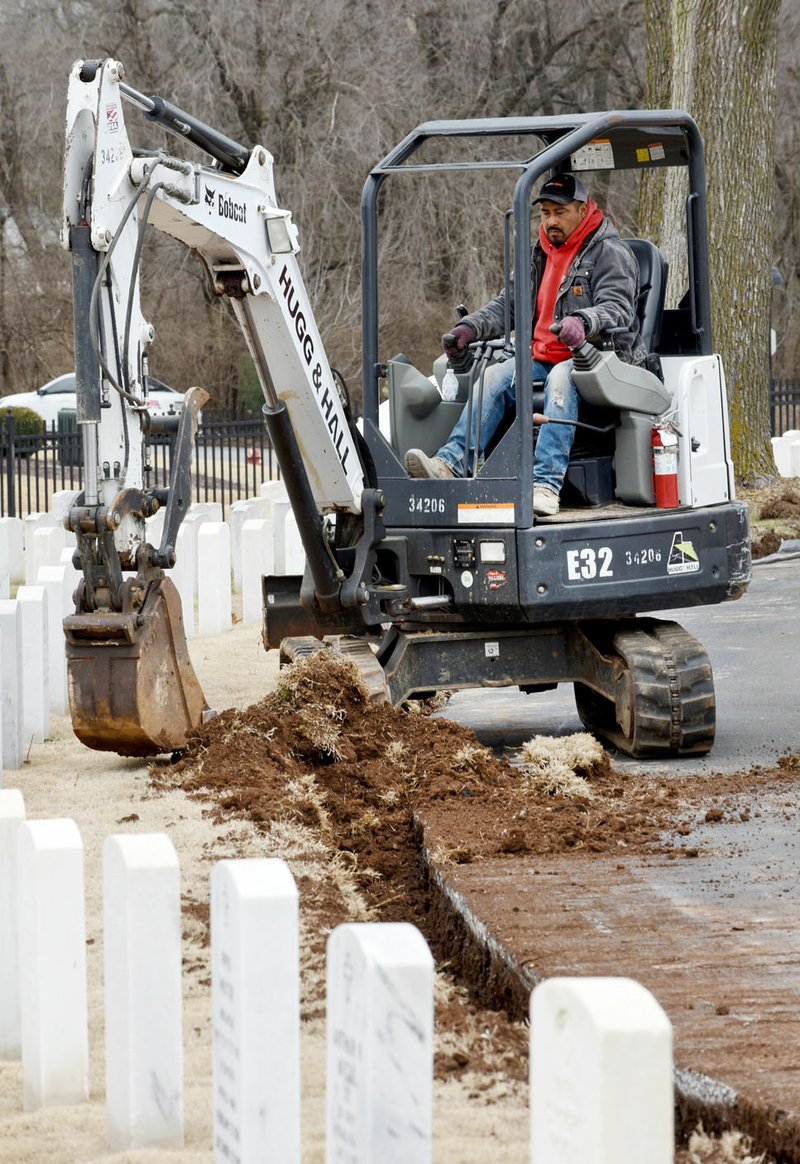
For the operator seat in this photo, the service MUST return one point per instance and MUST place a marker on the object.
(636, 395)
(653, 271)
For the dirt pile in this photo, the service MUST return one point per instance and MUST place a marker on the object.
(774, 516)
(371, 782)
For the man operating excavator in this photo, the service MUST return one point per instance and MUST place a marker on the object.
(584, 282)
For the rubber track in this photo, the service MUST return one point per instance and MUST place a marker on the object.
(674, 708)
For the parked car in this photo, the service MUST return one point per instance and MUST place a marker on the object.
(49, 400)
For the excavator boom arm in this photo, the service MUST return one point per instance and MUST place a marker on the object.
(132, 688)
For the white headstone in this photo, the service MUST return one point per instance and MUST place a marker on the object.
(782, 455)
(196, 516)
(12, 534)
(58, 586)
(143, 1000)
(295, 554)
(52, 955)
(184, 575)
(379, 1045)
(61, 501)
(206, 510)
(238, 514)
(73, 574)
(30, 523)
(35, 663)
(154, 527)
(257, 560)
(600, 1073)
(794, 458)
(13, 743)
(255, 1002)
(272, 490)
(280, 511)
(214, 599)
(5, 561)
(12, 814)
(43, 548)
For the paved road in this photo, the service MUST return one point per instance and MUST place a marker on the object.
(717, 938)
(754, 647)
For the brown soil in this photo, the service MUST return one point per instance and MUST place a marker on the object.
(774, 515)
(380, 784)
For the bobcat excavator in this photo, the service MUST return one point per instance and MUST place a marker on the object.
(429, 584)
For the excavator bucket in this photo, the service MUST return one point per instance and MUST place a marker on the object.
(132, 687)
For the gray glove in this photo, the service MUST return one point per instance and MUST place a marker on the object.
(571, 331)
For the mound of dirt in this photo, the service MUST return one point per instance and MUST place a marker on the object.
(370, 780)
(363, 774)
(774, 516)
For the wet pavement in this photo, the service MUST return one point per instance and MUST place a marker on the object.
(716, 938)
(754, 647)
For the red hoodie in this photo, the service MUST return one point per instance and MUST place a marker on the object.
(546, 346)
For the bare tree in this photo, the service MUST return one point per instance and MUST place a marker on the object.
(717, 59)
(328, 86)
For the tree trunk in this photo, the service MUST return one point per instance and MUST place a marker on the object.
(716, 59)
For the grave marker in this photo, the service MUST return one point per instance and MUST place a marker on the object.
(35, 678)
(379, 1045)
(12, 814)
(214, 603)
(143, 999)
(52, 951)
(13, 745)
(600, 1073)
(255, 1002)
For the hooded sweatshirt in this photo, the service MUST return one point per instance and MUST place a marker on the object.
(545, 345)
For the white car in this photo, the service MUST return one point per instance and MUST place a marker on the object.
(49, 400)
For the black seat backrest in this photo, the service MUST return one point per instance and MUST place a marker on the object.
(653, 269)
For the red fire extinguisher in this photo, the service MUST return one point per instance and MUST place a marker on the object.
(664, 443)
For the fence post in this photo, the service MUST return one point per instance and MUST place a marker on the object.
(8, 441)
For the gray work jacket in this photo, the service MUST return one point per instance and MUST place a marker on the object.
(602, 284)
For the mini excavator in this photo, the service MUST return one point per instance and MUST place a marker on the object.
(428, 585)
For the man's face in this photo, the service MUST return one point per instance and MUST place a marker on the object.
(560, 220)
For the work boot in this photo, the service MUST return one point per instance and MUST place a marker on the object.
(545, 501)
(419, 464)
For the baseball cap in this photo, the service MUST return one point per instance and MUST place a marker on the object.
(563, 188)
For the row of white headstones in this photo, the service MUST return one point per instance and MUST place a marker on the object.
(215, 558)
(601, 1049)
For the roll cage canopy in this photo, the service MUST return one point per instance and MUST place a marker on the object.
(620, 140)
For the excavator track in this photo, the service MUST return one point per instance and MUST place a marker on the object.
(664, 703)
(355, 648)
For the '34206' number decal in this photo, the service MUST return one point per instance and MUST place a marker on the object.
(588, 563)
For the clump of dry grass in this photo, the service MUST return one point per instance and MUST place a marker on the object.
(560, 766)
(729, 1148)
(470, 756)
(315, 687)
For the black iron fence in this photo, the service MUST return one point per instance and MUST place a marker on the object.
(233, 455)
(232, 458)
(784, 406)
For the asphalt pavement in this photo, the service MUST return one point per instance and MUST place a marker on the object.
(754, 647)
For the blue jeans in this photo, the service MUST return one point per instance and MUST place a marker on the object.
(499, 392)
